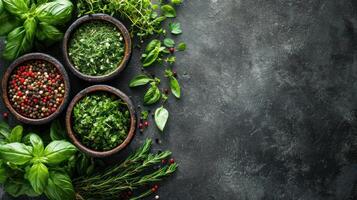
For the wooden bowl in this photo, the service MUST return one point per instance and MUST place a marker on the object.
(72, 134)
(18, 62)
(88, 19)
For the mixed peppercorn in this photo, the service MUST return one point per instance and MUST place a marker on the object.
(36, 89)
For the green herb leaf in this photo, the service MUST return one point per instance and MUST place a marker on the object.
(181, 46)
(58, 151)
(161, 117)
(139, 80)
(56, 12)
(36, 143)
(56, 131)
(176, 2)
(8, 23)
(59, 186)
(38, 177)
(17, 43)
(168, 42)
(152, 45)
(16, 153)
(175, 28)
(1, 7)
(16, 7)
(47, 32)
(171, 60)
(3, 173)
(168, 11)
(175, 87)
(151, 57)
(16, 134)
(19, 187)
(152, 95)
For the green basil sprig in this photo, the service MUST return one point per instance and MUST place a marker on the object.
(24, 23)
(153, 94)
(174, 84)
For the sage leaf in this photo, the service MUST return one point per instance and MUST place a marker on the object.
(175, 28)
(181, 46)
(168, 42)
(16, 153)
(168, 11)
(152, 96)
(175, 87)
(161, 117)
(16, 7)
(58, 151)
(55, 12)
(38, 177)
(16, 134)
(139, 80)
(59, 186)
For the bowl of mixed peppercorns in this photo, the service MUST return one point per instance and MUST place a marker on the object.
(35, 88)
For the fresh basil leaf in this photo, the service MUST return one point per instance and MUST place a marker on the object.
(175, 28)
(37, 145)
(17, 43)
(16, 134)
(82, 164)
(20, 187)
(151, 57)
(8, 23)
(30, 26)
(176, 2)
(175, 87)
(48, 33)
(56, 12)
(4, 129)
(59, 186)
(16, 153)
(168, 42)
(16, 7)
(152, 45)
(138, 80)
(1, 7)
(152, 96)
(38, 177)
(168, 11)
(56, 131)
(58, 151)
(161, 116)
(181, 46)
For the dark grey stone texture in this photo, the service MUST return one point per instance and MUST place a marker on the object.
(269, 101)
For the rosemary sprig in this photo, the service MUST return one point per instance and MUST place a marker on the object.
(135, 172)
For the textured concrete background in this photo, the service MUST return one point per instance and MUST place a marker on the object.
(269, 100)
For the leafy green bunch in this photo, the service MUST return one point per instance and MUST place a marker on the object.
(27, 21)
(28, 167)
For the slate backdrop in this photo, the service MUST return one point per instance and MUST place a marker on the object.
(269, 100)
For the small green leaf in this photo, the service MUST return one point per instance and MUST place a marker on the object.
(16, 134)
(175, 28)
(3, 173)
(176, 2)
(57, 132)
(161, 117)
(37, 144)
(181, 46)
(16, 153)
(152, 45)
(151, 57)
(58, 151)
(1, 6)
(168, 42)
(59, 186)
(175, 87)
(38, 177)
(139, 80)
(171, 60)
(152, 95)
(168, 11)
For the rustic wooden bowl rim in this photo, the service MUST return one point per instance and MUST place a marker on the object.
(95, 89)
(27, 58)
(87, 19)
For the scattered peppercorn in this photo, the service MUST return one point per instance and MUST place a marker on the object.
(163, 161)
(172, 50)
(172, 161)
(174, 73)
(36, 89)
(146, 123)
(166, 91)
(5, 114)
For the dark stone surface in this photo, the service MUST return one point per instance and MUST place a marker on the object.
(269, 100)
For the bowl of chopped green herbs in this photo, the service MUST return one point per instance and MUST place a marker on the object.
(97, 47)
(100, 120)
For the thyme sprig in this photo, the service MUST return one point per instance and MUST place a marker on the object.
(135, 172)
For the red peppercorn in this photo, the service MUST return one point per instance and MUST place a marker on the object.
(5, 114)
(146, 123)
(172, 49)
(166, 91)
(153, 189)
(140, 126)
(156, 186)
(174, 73)
(163, 161)
(172, 161)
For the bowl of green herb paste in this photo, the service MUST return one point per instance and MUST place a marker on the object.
(97, 47)
(100, 120)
